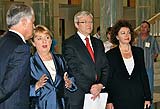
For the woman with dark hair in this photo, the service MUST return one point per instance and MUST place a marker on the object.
(128, 85)
(107, 44)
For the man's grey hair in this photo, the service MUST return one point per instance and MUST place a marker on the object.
(81, 14)
(18, 11)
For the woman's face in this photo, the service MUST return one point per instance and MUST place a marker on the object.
(109, 36)
(124, 35)
(42, 42)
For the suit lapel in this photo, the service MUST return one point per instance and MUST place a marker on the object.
(82, 49)
(41, 69)
(59, 70)
(134, 53)
(95, 47)
(122, 66)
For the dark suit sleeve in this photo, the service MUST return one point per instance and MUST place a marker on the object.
(104, 65)
(75, 65)
(109, 82)
(65, 68)
(18, 64)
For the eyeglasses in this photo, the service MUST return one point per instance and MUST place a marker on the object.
(85, 22)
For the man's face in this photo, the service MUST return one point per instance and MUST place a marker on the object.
(29, 28)
(144, 28)
(85, 25)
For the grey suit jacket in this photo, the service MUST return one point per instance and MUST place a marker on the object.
(14, 72)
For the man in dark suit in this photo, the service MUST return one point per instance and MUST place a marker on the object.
(89, 65)
(14, 61)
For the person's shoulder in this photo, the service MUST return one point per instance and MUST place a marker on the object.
(95, 39)
(70, 38)
(10, 39)
(112, 51)
(95, 35)
(13, 37)
(137, 49)
(152, 37)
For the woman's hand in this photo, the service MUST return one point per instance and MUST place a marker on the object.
(68, 82)
(41, 82)
(110, 106)
(147, 104)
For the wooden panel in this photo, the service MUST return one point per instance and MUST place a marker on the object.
(132, 3)
(74, 1)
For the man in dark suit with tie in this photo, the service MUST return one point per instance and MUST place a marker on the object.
(14, 61)
(86, 58)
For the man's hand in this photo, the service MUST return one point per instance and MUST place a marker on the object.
(95, 90)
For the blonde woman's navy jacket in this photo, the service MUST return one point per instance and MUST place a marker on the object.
(51, 95)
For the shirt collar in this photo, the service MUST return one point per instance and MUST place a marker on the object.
(18, 34)
(83, 36)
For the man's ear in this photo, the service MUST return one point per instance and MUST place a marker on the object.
(24, 22)
(76, 25)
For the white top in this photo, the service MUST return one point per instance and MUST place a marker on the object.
(129, 63)
(107, 46)
(97, 36)
(51, 68)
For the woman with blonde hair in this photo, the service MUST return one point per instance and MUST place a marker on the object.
(49, 72)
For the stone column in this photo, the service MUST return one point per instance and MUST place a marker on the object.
(4, 6)
(157, 6)
(144, 10)
(110, 12)
(3, 11)
(43, 12)
(87, 5)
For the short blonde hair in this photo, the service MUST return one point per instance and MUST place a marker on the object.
(39, 29)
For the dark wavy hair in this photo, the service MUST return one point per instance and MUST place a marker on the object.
(115, 29)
